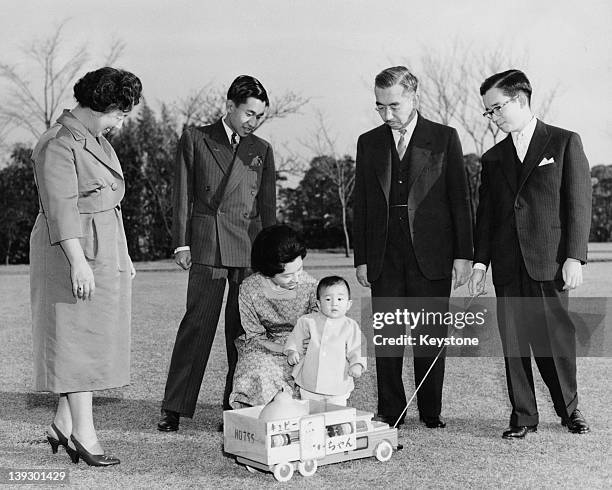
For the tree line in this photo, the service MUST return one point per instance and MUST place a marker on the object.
(320, 206)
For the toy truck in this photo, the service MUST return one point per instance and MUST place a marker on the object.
(327, 434)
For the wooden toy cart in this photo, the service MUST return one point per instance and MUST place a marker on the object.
(327, 434)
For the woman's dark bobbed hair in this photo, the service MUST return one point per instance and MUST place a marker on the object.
(108, 89)
(274, 247)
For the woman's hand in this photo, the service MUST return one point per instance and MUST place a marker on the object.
(273, 346)
(83, 283)
(293, 357)
(81, 275)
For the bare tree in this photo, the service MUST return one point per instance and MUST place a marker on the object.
(34, 108)
(288, 163)
(5, 126)
(201, 107)
(335, 168)
(115, 52)
(443, 97)
(35, 98)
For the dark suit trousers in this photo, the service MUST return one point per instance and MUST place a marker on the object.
(402, 278)
(196, 334)
(532, 316)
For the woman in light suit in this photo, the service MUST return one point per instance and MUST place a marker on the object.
(80, 270)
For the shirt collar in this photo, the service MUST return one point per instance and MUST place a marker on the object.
(526, 133)
(229, 131)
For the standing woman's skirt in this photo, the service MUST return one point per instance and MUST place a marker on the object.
(81, 345)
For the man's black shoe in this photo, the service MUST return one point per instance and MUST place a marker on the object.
(169, 421)
(576, 423)
(390, 421)
(433, 422)
(519, 431)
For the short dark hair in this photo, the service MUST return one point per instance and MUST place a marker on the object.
(246, 86)
(274, 247)
(397, 75)
(329, 281)
(108, 89)
(510, 82)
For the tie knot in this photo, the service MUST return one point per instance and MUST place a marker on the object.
(402, 131)
(234, 138)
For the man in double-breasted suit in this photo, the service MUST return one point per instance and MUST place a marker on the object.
(533, 223)
(224, 195)
(412, 229)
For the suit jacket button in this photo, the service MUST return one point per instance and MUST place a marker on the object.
(253, 193)
(114, 186)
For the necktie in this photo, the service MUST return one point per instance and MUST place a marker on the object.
(521, 149)
(234, 141)
(402, 144)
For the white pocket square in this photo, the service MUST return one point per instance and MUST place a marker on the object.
(546, 161)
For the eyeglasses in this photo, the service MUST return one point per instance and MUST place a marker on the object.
(382, 109)
(497, 109)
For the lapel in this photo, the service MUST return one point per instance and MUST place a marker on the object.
(220, 148)
(102, 151)
(537, 145)
(244, 156)
(419, 149)
(508, 162)
(383, 146)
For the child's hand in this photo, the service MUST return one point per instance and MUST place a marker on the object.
(293, 357)
(355, 370)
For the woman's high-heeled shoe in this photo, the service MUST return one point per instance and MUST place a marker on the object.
(61, 440)
(91, 459)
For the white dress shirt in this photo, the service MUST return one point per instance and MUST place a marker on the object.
(522, 138)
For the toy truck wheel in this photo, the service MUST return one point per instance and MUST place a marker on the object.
(283, 472)
(308, 467)
(250, 469)
(383, 451)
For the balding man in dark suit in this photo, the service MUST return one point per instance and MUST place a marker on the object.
(533, 223)
(225, 193)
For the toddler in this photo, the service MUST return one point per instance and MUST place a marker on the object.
(333, 357)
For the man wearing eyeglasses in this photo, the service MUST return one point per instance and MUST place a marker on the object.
(412, 232)
(533, 222)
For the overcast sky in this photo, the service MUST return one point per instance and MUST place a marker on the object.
(330, 51)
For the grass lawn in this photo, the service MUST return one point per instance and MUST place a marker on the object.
(468, 453)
